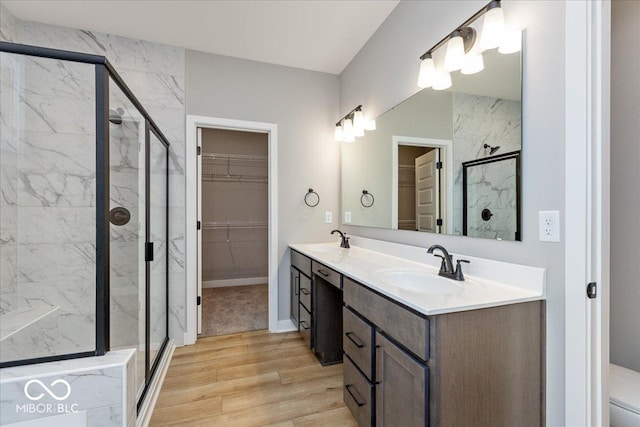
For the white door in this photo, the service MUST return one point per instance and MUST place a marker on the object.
(199, 232)
(427, 194)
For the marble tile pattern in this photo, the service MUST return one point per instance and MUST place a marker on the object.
(479, 120)
(492, 186)
(101, 386)
(48, 255)
(28, 333)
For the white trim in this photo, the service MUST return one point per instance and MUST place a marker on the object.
(193, 122)
(245, 281)
(586, 211)
(286, 326)
(446, 160)
(146, 411)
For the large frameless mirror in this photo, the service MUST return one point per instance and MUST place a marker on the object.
(408, 173)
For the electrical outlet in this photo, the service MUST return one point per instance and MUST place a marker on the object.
(549, 226)
(347, 217)
(328, 217)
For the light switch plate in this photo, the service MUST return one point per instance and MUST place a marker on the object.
(549, 226)
(347, 217)
(328, 217)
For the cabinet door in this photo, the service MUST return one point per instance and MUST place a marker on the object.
(401, 387)
(294, 276)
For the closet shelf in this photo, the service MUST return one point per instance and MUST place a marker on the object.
(234, 157)
(213, 177)
(225, 225)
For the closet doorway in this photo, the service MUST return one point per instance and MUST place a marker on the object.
(233, 187)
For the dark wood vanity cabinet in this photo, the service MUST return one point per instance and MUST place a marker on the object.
(481, 367)
(301, 289)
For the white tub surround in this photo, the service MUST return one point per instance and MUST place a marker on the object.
(100, 389)
(487, 283)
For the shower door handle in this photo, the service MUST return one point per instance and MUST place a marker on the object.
(148, 251)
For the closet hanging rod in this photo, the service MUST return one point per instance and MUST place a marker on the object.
(218, 156)
(234, 178)
(220, 225)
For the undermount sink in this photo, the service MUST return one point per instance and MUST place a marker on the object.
(419, 281)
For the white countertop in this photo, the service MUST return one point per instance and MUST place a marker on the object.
(501, 284)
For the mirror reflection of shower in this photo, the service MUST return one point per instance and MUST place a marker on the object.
(492, 150)
(115, 116)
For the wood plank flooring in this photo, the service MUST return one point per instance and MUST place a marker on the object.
(251, 379)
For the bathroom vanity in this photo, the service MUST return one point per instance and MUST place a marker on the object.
(423, 350)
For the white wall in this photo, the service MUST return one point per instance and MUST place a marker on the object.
(385, 72)
(304, 105)
(625, 184)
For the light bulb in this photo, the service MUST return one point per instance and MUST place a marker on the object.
(493, 27)
(358, 123)
(427, 72)
(347, 130)
(454, 57)
(443, 81)
(338, 133)
(370, 125)
(473, 64)
(511, 41)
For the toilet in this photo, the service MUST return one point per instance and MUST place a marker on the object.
(624, 397)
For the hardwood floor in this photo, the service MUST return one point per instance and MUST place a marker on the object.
(251, 379)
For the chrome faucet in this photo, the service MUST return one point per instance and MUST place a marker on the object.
(446, 267)
(345, 240)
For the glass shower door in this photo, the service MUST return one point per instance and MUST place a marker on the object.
(128, 223)
(158, 235)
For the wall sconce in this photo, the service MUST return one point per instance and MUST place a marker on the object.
(353, 124)
(463, 52)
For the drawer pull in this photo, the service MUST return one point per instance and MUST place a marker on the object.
(355, 399)
(304, 324)
(304, 291)
(296, 281)
(357, 344)
(323, 272)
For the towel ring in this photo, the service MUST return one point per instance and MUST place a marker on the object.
(306, 198)
(362, 198)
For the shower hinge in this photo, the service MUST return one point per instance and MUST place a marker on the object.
(199, 150)
(438, 165)
(148, 251)
(439, 222)
(199, 301)
(592, 290)
(198, 225)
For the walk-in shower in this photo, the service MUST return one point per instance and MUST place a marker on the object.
(83, 213)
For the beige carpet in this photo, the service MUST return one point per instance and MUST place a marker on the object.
(234, 309)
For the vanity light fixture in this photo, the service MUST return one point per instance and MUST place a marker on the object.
(493, 26)
(353, 124)
(463, 53)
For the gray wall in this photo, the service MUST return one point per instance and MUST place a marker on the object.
(304, 105)
(625, 188)
(385, 72)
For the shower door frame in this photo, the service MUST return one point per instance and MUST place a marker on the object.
(103, 72)
(487, 160)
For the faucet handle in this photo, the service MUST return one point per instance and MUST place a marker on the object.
(458, 275)
(443, 263)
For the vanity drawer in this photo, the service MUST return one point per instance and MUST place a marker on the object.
(301, 262)
(357, 338)
(326, 273)
(357, 394)
(305, 292)
(403, 325)
(305, 325)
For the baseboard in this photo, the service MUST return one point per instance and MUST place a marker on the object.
(286, 326)
(235, 282)
(146, 411)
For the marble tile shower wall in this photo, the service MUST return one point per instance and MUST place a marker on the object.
(9, 29)
(479, 120)
(58, 220)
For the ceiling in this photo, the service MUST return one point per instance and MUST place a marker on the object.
(315, 35)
